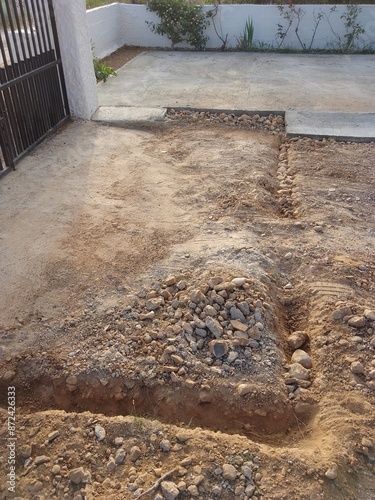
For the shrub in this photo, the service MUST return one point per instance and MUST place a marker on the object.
(180, 20)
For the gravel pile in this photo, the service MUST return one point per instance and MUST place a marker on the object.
(179, 330)
(272, 123)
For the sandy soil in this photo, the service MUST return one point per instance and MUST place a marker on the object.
(118, 251)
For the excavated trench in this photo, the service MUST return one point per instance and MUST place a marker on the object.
(250, 397)
(256, 415)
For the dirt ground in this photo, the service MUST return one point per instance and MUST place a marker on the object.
(192, 308)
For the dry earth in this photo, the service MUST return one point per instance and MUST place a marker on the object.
(132, 351)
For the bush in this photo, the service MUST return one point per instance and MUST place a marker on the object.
(180, 20)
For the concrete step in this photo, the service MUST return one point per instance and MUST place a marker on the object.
(359, 127)
(123, 116)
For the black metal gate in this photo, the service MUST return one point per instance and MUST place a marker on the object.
(33, 98)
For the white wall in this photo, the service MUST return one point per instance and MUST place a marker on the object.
(106, 29)
(124, 24)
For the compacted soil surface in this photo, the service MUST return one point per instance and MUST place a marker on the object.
(188, 311)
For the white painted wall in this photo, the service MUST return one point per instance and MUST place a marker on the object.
(131, 28)
(74, 40)
(105, 28)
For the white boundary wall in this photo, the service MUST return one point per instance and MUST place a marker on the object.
(115, 25)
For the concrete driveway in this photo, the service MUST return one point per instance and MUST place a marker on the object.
(310, 85)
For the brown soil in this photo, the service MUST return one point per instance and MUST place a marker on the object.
(123, 55)
(95, 222)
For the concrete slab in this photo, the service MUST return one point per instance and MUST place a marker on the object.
(246, 81)
(123, 116)
(251, 82)
(342, 126)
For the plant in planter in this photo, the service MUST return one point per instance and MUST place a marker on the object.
(180, 20)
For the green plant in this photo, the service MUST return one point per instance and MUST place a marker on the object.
(179, 21)
(293, 14)
(353, 29)
(102, 71)
(245, 42)
(212, 14)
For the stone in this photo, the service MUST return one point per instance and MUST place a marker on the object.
(8, 375)
(331, 473)
(227, 286)
(170, 490)
(218, 348)
(182, 437)
(199, 323)
(99, 433)
(214, 326)
(254, 333)
(197, 296)
(177, 359)
(120, 456)
(239, 281)
(135, 453)
(170, 280)
(145, 316)
(181, 285)
(357, 321)
(35, 486)
(232, 356)
(235, 313)
(229, 472)
(299, 372)
(210, 311)
(79, 475)
(216, 491)
(42, 459)
(244, 308)
(165, 445)
(250, 490)
(357, 367)
(301, 357)
(369, 314)
(193, 490)
(201, 332)
(237, 325)
(25, 451)
(341, 313)
(119, 441)
(53, 435)
(216, 280)
(154, 304)
(243, 389)
(247, 471)
(111, 465)
(56, 469)
(297, 339)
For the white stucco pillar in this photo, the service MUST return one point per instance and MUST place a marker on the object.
(74, 39)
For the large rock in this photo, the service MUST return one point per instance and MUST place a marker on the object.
(170, 490)
(357, 321)
(301, 357)
(229, 472)
(297, 339)
(298, 372)
(79, 475)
